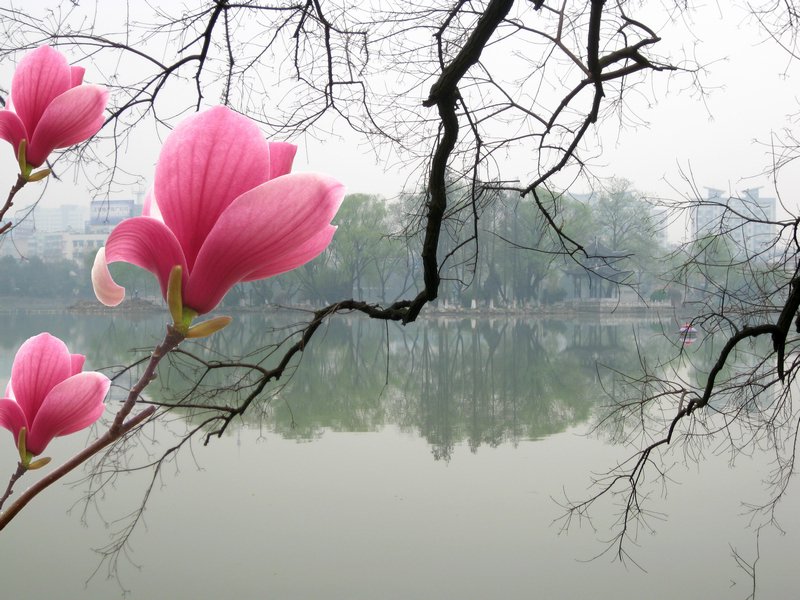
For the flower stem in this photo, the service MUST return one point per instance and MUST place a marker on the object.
(171, 341)
(21, 181)
(10, 489)
(118, 429)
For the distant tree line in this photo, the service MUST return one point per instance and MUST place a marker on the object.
(520, 261)
(35, 278)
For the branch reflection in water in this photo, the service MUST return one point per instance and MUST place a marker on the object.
(456, 380)
(362, 510)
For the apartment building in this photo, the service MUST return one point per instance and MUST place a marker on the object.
(68, 231)
(748, 219)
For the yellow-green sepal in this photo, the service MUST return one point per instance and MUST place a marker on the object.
(39, 463)
(24, 458)
(39, 175)
(174, 295)
(207, 328)
(182, 316)
(24, 167)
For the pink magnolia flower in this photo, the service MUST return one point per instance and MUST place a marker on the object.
(52, 108)
(225, 209)
(48, 394)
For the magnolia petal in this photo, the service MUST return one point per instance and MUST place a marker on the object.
(12, 417)
(41, 363)
(105, 288)
(76, 362)
(40, 77)
(11, 129)
(150, 206)
(262, 231)
(76, 76)
(299, 256)
(281, 157)
(209, 160)
(69, 407)
(73, 117)
(146, 243)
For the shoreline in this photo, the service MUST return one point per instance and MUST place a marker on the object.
(139, 306)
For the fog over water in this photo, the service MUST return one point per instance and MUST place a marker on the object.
(444, 482)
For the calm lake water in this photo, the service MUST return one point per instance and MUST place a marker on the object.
(438, 476)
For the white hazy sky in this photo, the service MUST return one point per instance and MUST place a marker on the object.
(721, 138)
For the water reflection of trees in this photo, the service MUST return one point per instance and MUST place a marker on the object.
(458, 380)
(489, 382)
(107, 340)
(747, 408)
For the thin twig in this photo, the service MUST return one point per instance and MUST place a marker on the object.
(21, 181)
(10, 489)
(118, 429)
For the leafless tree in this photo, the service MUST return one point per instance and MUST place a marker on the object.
(453, 91)
(737, 280)
(734, 391)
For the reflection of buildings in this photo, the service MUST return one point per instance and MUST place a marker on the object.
(69, 231)
(746, 219)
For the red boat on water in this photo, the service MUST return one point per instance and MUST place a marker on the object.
(688, 334)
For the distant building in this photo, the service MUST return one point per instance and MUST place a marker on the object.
(47, 245)
(747, 219)
(67, 217)
(106, 214)
(69, 231)
(74, 246)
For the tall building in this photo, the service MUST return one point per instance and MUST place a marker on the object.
(106, 214)
(66, 217)
(747, 219)
(68, 231)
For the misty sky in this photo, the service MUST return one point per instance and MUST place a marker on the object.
(720, 137)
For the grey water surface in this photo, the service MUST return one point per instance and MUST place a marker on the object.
(425, 462)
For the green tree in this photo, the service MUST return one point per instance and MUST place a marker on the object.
(624, 221)
(361, 259)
